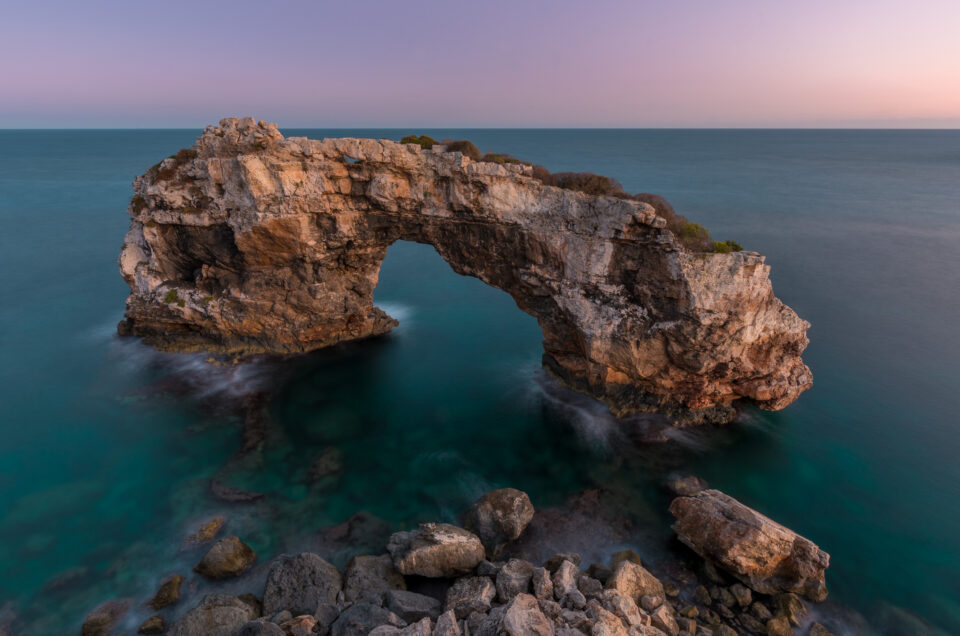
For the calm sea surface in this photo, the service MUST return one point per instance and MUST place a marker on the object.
(107, 448)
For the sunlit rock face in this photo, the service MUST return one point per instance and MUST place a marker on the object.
(250, 243)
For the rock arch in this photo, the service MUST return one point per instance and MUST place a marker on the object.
(250, 242)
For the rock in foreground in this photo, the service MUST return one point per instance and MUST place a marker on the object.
(435, 550)
(250, 243)
(500, 516)
(760, 552)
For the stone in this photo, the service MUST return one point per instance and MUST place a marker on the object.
(153, 625)
(791, 606)
(542, 583)
(702, 596)
(326, 614)
(624, 555)
(574, 600)
(725, 630)
(514, 577)
(367, 577)
(470, 594)
(726, 597)
(752, 625)
(362, 618)
(282, 616)
(435, 550)
(524, 618)
(742, 594)
(227, 558)
(589, 586)
(624, 607)
(168, 593)
(764, 555)
(410, 606)
(662, 618)
(251, 243)
(216, 615)
(565, 580)
(101, 620)
(300, 583)
(689, 611)
(299, 625)
(671, 589)
(260, 627)
(488, 568)
(550, 608)
(554, 562)
(650, 602)
(816, 629)
(499, 517)
(600, 572)
(779, 626)
(207, 532)
(688, 626)
(606, 623)
(761, 611)
(447, 625)
(634, 581)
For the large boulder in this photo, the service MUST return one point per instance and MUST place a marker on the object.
(228, 557)
(300, 583)
(634, 581)
(367, 577)
(216, 615)
(766, 556)
(470, 594)
(499, 517)
(435, 550)
(524, 618)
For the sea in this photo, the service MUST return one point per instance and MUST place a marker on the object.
(108, 448)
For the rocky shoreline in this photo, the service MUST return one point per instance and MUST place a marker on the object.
(472, 579)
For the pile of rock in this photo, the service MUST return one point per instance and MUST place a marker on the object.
(445, 580)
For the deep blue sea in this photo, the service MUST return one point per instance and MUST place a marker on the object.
(107, 447)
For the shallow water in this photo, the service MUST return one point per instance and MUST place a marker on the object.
(108, 447)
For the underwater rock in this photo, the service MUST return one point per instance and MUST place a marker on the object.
(251, 243)
(764, 555)
(167, 594)
(207, 532)
(101, 620)
(230, 494)
(227, 558)
(153, 625)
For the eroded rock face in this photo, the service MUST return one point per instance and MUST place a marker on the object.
(250, 242)
(760, 552)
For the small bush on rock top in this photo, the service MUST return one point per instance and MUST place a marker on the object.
(725, 247)
(423, 141)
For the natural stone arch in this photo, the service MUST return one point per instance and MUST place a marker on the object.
(253, 243)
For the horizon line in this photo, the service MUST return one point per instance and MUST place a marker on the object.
(545, 128)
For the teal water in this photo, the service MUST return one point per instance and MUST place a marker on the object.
(108, 447)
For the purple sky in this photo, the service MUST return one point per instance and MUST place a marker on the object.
(629, 63)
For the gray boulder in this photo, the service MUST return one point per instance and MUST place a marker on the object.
(470, 594)
(523, 617)
(363, 618)
(499, 517)
(367, 578)
(216, 615)
(435, 550)
(261, 627)
(513, 578)
(300, 583)
(410, 606)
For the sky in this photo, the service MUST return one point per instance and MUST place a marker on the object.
(486, 63)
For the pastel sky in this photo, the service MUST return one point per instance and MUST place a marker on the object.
(450, 63)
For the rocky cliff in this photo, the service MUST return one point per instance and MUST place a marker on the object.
(250, 242)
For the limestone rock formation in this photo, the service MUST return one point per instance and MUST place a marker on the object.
(760, 552)
(250, 242)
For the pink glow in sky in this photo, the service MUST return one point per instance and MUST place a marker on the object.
(585, 63)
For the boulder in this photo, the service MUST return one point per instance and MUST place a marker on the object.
(153, 625)
(513, 578)
(662, 618)
(524, 618)
(227, 558)
(624, 607)
(606, 623)
(447, 625)
(410, 606)
(261, 627)
(435, 550)
(764, 555)
(216, 615)
(100, 621)
(300, 583)
(367, 577)
(634, 581)
(302, 625)
(168, 593)
(470, 594)
(685, 486)
(779, 626)
(542, 584)
(499, 517)
(422, 627)
(362, 618)
(565, 580)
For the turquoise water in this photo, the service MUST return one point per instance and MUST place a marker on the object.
(108, 447)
